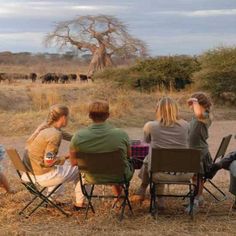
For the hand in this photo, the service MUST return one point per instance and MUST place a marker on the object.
(191, 101)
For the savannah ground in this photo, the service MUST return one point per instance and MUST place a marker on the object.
(24, 105)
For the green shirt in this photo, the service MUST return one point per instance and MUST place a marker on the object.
(198, 136)
(99, 138)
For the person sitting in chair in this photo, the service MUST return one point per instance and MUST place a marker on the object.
(41, 156)
(167, 131)
(102, 137)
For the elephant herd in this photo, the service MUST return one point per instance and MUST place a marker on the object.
(45, 79)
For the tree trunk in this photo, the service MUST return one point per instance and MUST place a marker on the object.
(100, 60)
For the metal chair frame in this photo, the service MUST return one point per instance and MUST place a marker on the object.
(108, 163)
(32, 186)
(174, 160)
(219, 155)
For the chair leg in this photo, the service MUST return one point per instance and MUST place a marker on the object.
(22, 211)
(47, 200)
(36, 193)
(89, 197)
(122, 210)
(153, 202)
(151, 198)
(126, 190)
(191, 206)
(224, 197)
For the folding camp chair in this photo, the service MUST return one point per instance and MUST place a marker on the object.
(174, 160)
(107, 164)
(219, 155)
(32, 186)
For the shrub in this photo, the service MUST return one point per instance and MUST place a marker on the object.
(172, 72)
(218, 74)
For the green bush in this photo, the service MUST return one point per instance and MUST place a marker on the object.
(172, 72)
(218, 74)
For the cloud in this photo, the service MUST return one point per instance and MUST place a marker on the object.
(199, 13)
(51, 9)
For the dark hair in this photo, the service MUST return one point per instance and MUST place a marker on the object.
(203, 100)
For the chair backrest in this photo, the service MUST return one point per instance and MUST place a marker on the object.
(223, 147)
(107, 163)
(16, 160)
(175, 160)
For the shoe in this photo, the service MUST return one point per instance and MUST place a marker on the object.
(79, 208)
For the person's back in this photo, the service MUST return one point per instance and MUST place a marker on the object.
(168, 131)
(99, 138)
(48, 140)
(159, 136)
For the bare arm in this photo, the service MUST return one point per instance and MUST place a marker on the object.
(197, 108)
(73, 157)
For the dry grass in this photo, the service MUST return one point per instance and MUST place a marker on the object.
(218, 221)
(24, 105)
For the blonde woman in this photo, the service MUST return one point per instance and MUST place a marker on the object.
(42, 154)
(167, 131)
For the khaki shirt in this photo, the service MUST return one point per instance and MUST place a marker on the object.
(48, 140)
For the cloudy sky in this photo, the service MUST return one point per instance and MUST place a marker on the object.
(167, 26)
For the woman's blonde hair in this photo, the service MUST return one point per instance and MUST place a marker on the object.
(167, 111)
(55, 113)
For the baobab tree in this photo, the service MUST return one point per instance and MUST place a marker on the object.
(103, 36)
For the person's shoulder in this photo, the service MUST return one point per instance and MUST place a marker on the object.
(50, 132)
(151, 123)
(82, 131)
(183, 123)
(118, 131)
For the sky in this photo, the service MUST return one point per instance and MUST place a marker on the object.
(168, 27)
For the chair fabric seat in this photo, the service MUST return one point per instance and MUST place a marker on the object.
(165, 177)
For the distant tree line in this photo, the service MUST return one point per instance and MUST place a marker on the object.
(26, 58)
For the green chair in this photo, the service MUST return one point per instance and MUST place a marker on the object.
(107, 164)
(174, 160)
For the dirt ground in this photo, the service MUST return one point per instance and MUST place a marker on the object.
(213, 219)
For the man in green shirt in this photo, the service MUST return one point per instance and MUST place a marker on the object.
(102, 137)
